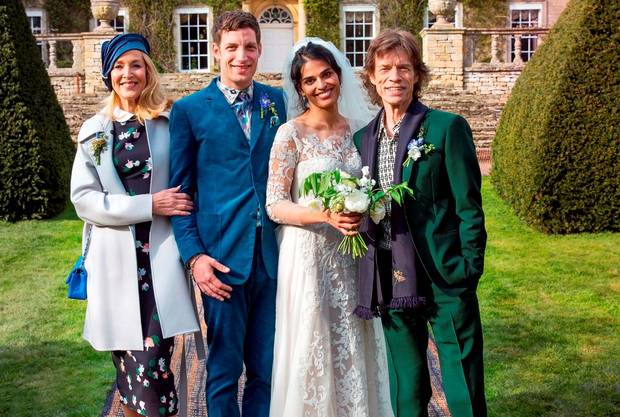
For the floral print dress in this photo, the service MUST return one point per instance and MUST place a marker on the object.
(144, 378)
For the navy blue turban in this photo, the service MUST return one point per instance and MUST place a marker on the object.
(111, 50)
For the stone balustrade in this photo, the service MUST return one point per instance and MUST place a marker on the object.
(84, 74)
(477, 60)
(500, 41)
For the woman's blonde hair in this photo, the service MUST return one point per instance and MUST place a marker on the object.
(152, 100)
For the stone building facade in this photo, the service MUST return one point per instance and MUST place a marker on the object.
(284, 21)
(464, 79)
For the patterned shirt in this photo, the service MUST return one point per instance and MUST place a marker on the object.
(243, 110)
(244, 116)
(386, 157)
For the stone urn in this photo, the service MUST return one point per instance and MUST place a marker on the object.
(443, 10)
(105, 12)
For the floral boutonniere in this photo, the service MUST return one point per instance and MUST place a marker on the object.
(98, 145)
(416, 148)
(266, 105)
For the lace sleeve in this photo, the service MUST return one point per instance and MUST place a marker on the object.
(351, 156)
(282, 163)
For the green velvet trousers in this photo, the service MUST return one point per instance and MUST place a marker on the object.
(456, 327)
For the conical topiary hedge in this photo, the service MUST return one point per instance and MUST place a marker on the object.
(556, 155)
(35, 145)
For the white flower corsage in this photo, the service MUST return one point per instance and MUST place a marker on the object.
(416, 148)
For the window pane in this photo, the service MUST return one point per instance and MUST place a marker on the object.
(349, 45)
(184, 19)
(193, 48)
(204, 62)
(348, 31)
(359, 60)
(119, 24)
(184, 48)
(184, 34)
(185, 63)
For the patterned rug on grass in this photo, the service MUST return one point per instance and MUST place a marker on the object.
(196, 374)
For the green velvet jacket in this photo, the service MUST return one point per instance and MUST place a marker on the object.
(445, 216)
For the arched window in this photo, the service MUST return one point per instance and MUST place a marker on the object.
(275, 15)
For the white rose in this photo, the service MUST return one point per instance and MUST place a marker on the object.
(316, 204)
(414, 153)
(365, 172)
(356, 202)
(377, 213)
(343, 189)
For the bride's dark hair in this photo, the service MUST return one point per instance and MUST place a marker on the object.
(306, 53)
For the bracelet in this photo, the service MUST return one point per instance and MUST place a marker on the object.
(192, 261)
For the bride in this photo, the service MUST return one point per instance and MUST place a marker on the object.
(327, 362)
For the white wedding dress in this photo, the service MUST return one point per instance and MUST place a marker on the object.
(327, 362)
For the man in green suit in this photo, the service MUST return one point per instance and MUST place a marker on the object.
(425, 258)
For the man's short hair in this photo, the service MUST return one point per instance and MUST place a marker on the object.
(234, 20)
(388, 41)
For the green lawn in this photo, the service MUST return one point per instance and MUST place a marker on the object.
(46, 369)
(549, 303)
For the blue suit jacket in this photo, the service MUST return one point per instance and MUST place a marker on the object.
(213, 161)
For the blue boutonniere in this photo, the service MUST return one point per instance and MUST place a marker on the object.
(98, 145)
(417, 147)
(266, 105)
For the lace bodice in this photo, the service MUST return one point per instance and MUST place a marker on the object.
(298, 152)
(327, 362)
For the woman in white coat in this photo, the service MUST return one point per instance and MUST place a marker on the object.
(138, 296)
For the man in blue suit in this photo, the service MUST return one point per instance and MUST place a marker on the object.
(221, 138)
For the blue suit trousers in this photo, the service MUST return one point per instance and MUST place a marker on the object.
(240, 331)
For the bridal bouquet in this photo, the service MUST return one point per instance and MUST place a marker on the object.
(342, 193)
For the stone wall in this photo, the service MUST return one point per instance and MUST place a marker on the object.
(180, 84)
(491, 81)
(67, 85)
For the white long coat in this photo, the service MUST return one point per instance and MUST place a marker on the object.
(113, 312)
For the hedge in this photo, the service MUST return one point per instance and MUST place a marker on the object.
(557, 149)
(36, 149)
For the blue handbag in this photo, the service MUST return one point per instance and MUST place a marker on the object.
(76, 280)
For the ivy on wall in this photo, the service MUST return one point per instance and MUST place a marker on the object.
(323, 19)
(485, 13)
(155, 20)
(68, 16)
(404, 14)
(409, 14)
